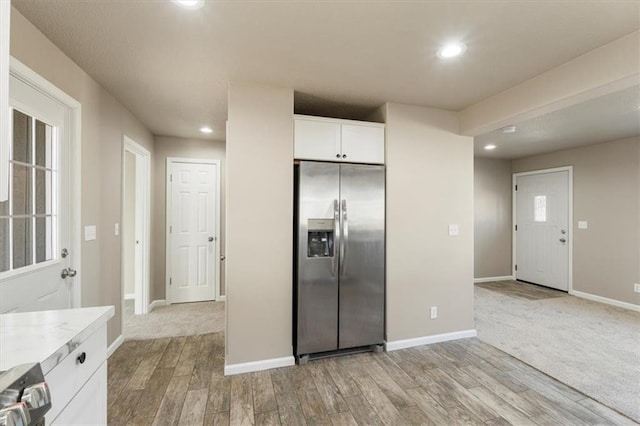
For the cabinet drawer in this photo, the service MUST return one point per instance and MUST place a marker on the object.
(68, 377)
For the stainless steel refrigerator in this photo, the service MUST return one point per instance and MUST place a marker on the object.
(339, 275)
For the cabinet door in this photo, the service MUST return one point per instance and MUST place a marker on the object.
(89, 406)
(316, 140)
(362, 144)
(70, 375)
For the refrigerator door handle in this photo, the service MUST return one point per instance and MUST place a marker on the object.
(344, 238)
(338, 239)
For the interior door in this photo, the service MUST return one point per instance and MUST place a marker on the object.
(192, 234)
(362, 273)
(34, 222)
(542, 236)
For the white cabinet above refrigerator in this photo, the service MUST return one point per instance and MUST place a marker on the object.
(329, 139)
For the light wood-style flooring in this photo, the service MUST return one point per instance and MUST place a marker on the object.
(180, 381)
(522, 290)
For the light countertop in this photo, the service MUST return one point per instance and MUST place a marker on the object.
(47, 337)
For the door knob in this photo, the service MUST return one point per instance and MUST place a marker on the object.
(222, 257)
(562, 240)
(210, 239)
(68, 272)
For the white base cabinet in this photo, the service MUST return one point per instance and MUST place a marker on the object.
(328, 139)
(89, 406)
(78, 384)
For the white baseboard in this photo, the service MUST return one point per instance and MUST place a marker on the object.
(115, 345)
(130, 296)
(489, 279)
(266, 364)
(157, 303)
(427, 340)
(608, 301)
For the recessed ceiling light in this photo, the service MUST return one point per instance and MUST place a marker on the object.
(190, 4)
(509, 129)
(489, 147)
(451, 50)
(206, 129)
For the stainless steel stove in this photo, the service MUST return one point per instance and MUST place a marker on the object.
(24, 396)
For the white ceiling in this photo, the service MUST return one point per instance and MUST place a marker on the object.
(171, 66)
(606, 118)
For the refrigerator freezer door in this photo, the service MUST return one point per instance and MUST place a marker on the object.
(362, 265)
(317, 283)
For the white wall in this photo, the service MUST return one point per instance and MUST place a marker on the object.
(492, 215)
(104, 122)
(606, 192)
(259, 223)
(429, 186)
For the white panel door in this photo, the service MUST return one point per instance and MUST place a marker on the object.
(542, 236)
(192, 232)
(35, 221)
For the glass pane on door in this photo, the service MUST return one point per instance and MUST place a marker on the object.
(21, 137)
(28, 220)
(22, 243)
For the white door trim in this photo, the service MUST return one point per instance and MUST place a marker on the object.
(27, 75)
(570, 227)
(143, 187)
(168, 204)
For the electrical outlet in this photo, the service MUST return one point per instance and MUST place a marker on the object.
(434, 312)
(636, 288)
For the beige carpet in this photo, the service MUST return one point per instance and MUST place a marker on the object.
(181, 319)
(590, 346)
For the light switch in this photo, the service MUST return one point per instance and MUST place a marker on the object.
(116, 229)
(454, 230)
(582, 224)
(90, 233)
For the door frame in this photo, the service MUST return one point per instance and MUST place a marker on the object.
(142, 222)
(35, 80)
(168, 205)
(568, 169)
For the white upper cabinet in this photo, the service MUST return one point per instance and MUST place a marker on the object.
(327, 139)
(363, 143)
(5, 12)
(316, 140)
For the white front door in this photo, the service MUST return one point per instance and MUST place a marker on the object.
(193, 232)
(542, 233)
(35, 221)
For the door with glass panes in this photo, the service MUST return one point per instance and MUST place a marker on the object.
(34, 222)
